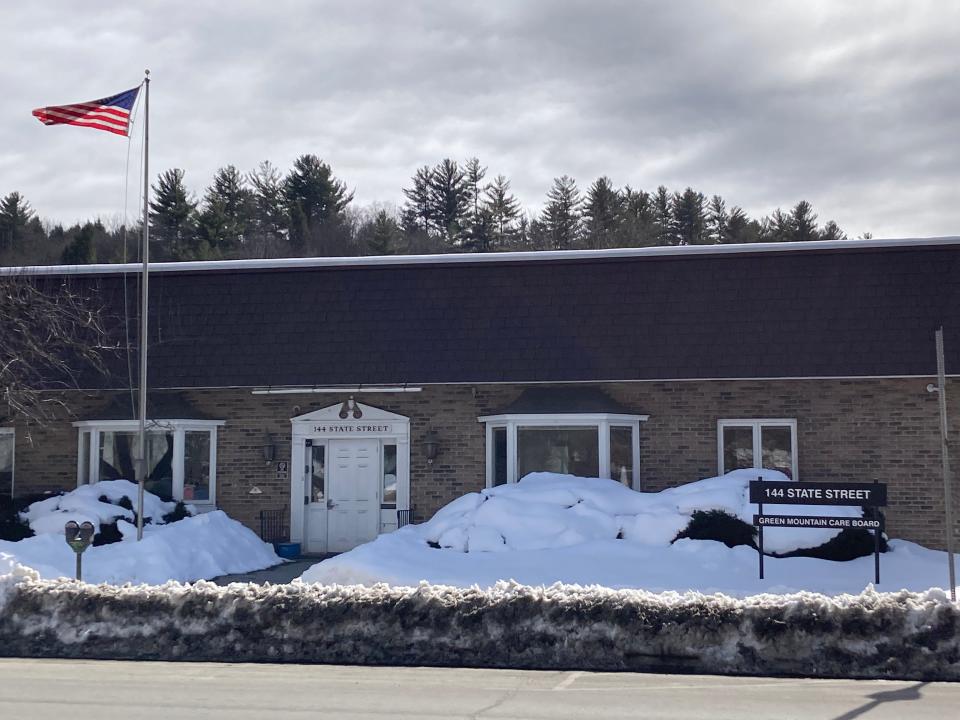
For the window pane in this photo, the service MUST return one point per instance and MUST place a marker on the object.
(777, 448)
(6, 464)
(390, 474)
(317, 472)
(499, 456)
(737, 447)
(569, 450)
(85, 458)
(196, 466)
(621, 454)
(118, 451)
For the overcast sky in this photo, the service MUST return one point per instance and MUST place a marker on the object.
(854, 106)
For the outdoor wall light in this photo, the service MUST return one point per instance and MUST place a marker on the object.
(349, 408)
(431, 446)
(269, 449)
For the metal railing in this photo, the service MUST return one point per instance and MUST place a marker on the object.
(273, 525)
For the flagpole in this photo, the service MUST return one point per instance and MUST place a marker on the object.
(144, 295)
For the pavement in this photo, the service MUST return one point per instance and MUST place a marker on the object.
(54, 689)
(282, 573)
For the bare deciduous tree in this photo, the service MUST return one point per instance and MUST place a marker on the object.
(49, 335)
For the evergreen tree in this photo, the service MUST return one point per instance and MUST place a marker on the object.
(416, 215)
(316, 201)
(270, 219)
(638, 228)
(80, 250)
(561, 215)
(803, 223)
(602, 214)
(15, 217)
(173, 217)
(737, 226)
(717, 220)
(384, 234)
(832, 231)
(479, 223)
(449, 201)
(503, 209)
(663, 218)
(687, 211)
(777, 228)
(228, 210)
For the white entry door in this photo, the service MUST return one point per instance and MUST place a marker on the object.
(353, 505)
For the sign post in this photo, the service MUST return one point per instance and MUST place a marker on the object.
(873, 496)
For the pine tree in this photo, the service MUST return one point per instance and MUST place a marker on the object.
(717, 220)
(602, 214)
(687, 211)
(315, 201)
(561, 215)
(228, 210)
(173, 217)
(449, 201)
(777, 228)
(479, 222)
(832, 231)
(416, 215)
(503, 209)
(15, 216)
(663, 218)
(638, 226)
(803, 223)
(270, 219)
(80, 250)
(737, 226)
(384, 234)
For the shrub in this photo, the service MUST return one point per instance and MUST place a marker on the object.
(850, 544)
(108, 533)
(178, 513)
(720, 526)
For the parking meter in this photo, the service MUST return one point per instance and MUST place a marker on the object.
(78, 538)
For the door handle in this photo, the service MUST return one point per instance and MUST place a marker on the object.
(330, 504)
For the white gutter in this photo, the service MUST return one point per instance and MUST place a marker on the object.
(483, 258)
(355, 389)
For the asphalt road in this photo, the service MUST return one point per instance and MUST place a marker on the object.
(48, 689)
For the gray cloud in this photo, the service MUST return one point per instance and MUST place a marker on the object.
(849, 105)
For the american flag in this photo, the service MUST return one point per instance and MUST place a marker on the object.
(110, 113)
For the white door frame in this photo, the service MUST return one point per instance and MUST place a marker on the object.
(325, 424)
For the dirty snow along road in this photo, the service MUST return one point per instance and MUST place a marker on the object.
(49, 689)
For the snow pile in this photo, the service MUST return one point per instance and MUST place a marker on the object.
(557, 528)
(880, 635)
(198, 547)
(84, 505)
(546, 510)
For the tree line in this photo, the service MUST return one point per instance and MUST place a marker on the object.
(449, 207)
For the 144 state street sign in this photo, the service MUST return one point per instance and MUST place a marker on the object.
(865, 495)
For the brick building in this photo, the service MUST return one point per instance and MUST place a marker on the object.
(353, 391)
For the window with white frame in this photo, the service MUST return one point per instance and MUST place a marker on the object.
(759, 444)
(6, 462)
(181, 456)
(585, 444)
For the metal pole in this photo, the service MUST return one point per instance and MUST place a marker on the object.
(79, 567)
(144, 295)
(760, 534)
(945, 453)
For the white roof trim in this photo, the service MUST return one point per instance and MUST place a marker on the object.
(331, 413)
(457, 258)
(564, 418)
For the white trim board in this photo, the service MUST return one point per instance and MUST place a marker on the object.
(483, 258)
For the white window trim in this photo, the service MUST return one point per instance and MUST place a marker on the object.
(179, 428)
(13, 458)
(756, 424)
(602, 421)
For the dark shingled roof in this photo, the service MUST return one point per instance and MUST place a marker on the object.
(862, 310)
(554, 400)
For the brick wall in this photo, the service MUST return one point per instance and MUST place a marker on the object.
(847, 430)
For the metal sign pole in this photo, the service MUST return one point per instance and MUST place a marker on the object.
(945, 454)
(760, 535)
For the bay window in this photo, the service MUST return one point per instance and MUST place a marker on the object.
(769, 444)
(583, 444)
(181, 456)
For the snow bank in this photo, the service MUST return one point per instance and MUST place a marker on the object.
(84, 505)
(872, 635)
(558, 528)
(203, 546)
